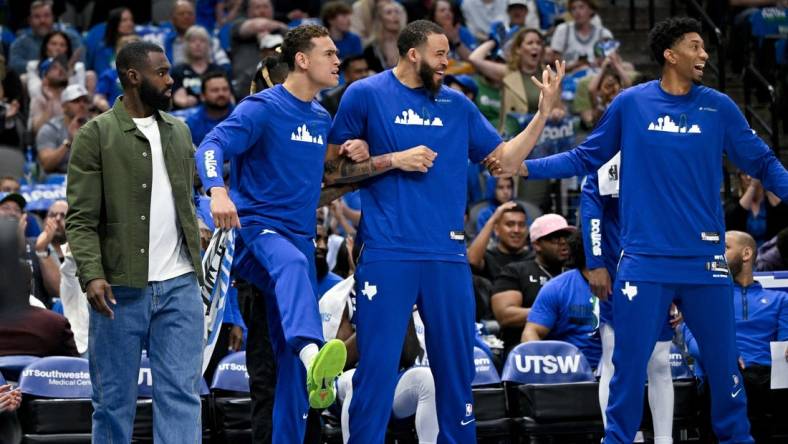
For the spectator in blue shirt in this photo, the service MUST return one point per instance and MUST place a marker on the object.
(216, 105)
(566, 310)
(335, 16)
(27, 45)
(761, 317)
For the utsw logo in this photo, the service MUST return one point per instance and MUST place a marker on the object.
(547, 364)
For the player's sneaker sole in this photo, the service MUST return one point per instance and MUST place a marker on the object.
(325, 369)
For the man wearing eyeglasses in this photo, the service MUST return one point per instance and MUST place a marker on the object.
(53, 140)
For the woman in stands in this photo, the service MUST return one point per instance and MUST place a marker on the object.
(381, 53)
(187, 75)
(447, 14)
(57, 43)
(519, 96)
(119, 23)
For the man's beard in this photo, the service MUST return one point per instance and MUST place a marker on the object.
(321, 265)
(153, 98)
(427, 76)
(215, 107)
(735, 266)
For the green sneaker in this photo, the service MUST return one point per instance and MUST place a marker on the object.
(325, 369)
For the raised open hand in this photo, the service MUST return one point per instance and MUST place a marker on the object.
(550, 86)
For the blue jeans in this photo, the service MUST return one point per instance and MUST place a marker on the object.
(168, 317)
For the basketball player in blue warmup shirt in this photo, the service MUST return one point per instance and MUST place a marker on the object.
(412, 222)
(672, 134)
(276, 140)
(600, 226)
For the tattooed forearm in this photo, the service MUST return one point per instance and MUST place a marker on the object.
(343, 170)
(330, 193)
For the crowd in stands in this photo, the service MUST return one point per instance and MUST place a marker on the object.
(58, 72)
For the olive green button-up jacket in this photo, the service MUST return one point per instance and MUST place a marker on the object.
(109, 193)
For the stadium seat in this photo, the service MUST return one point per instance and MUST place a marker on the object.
(11, 366)
(56, 405)
(678, 364)
(551, 391)
(231, 400)
(489, 400)
(12, 162)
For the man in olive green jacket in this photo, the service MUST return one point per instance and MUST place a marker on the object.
(133, 232)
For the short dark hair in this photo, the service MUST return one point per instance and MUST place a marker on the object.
(332, 9)
(517, 208)
(577, 255)
(415, 34)
(210, 75)
(668, 32)
(349, 60)
(134, 56)
(299, 39)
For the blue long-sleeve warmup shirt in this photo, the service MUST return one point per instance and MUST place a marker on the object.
(600, 222)
(277, 145)
(413, 215)
(671, 171)
(761, 317)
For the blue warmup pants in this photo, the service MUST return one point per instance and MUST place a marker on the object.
(283, 269)
(638, 320)
(385, 294)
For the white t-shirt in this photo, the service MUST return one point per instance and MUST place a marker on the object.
(167, 253)
(480, 15)
(75, 304)
(571, 46)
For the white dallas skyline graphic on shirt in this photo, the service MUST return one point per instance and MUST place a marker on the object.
(666, 125)
(410, 117)
(302, 135)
